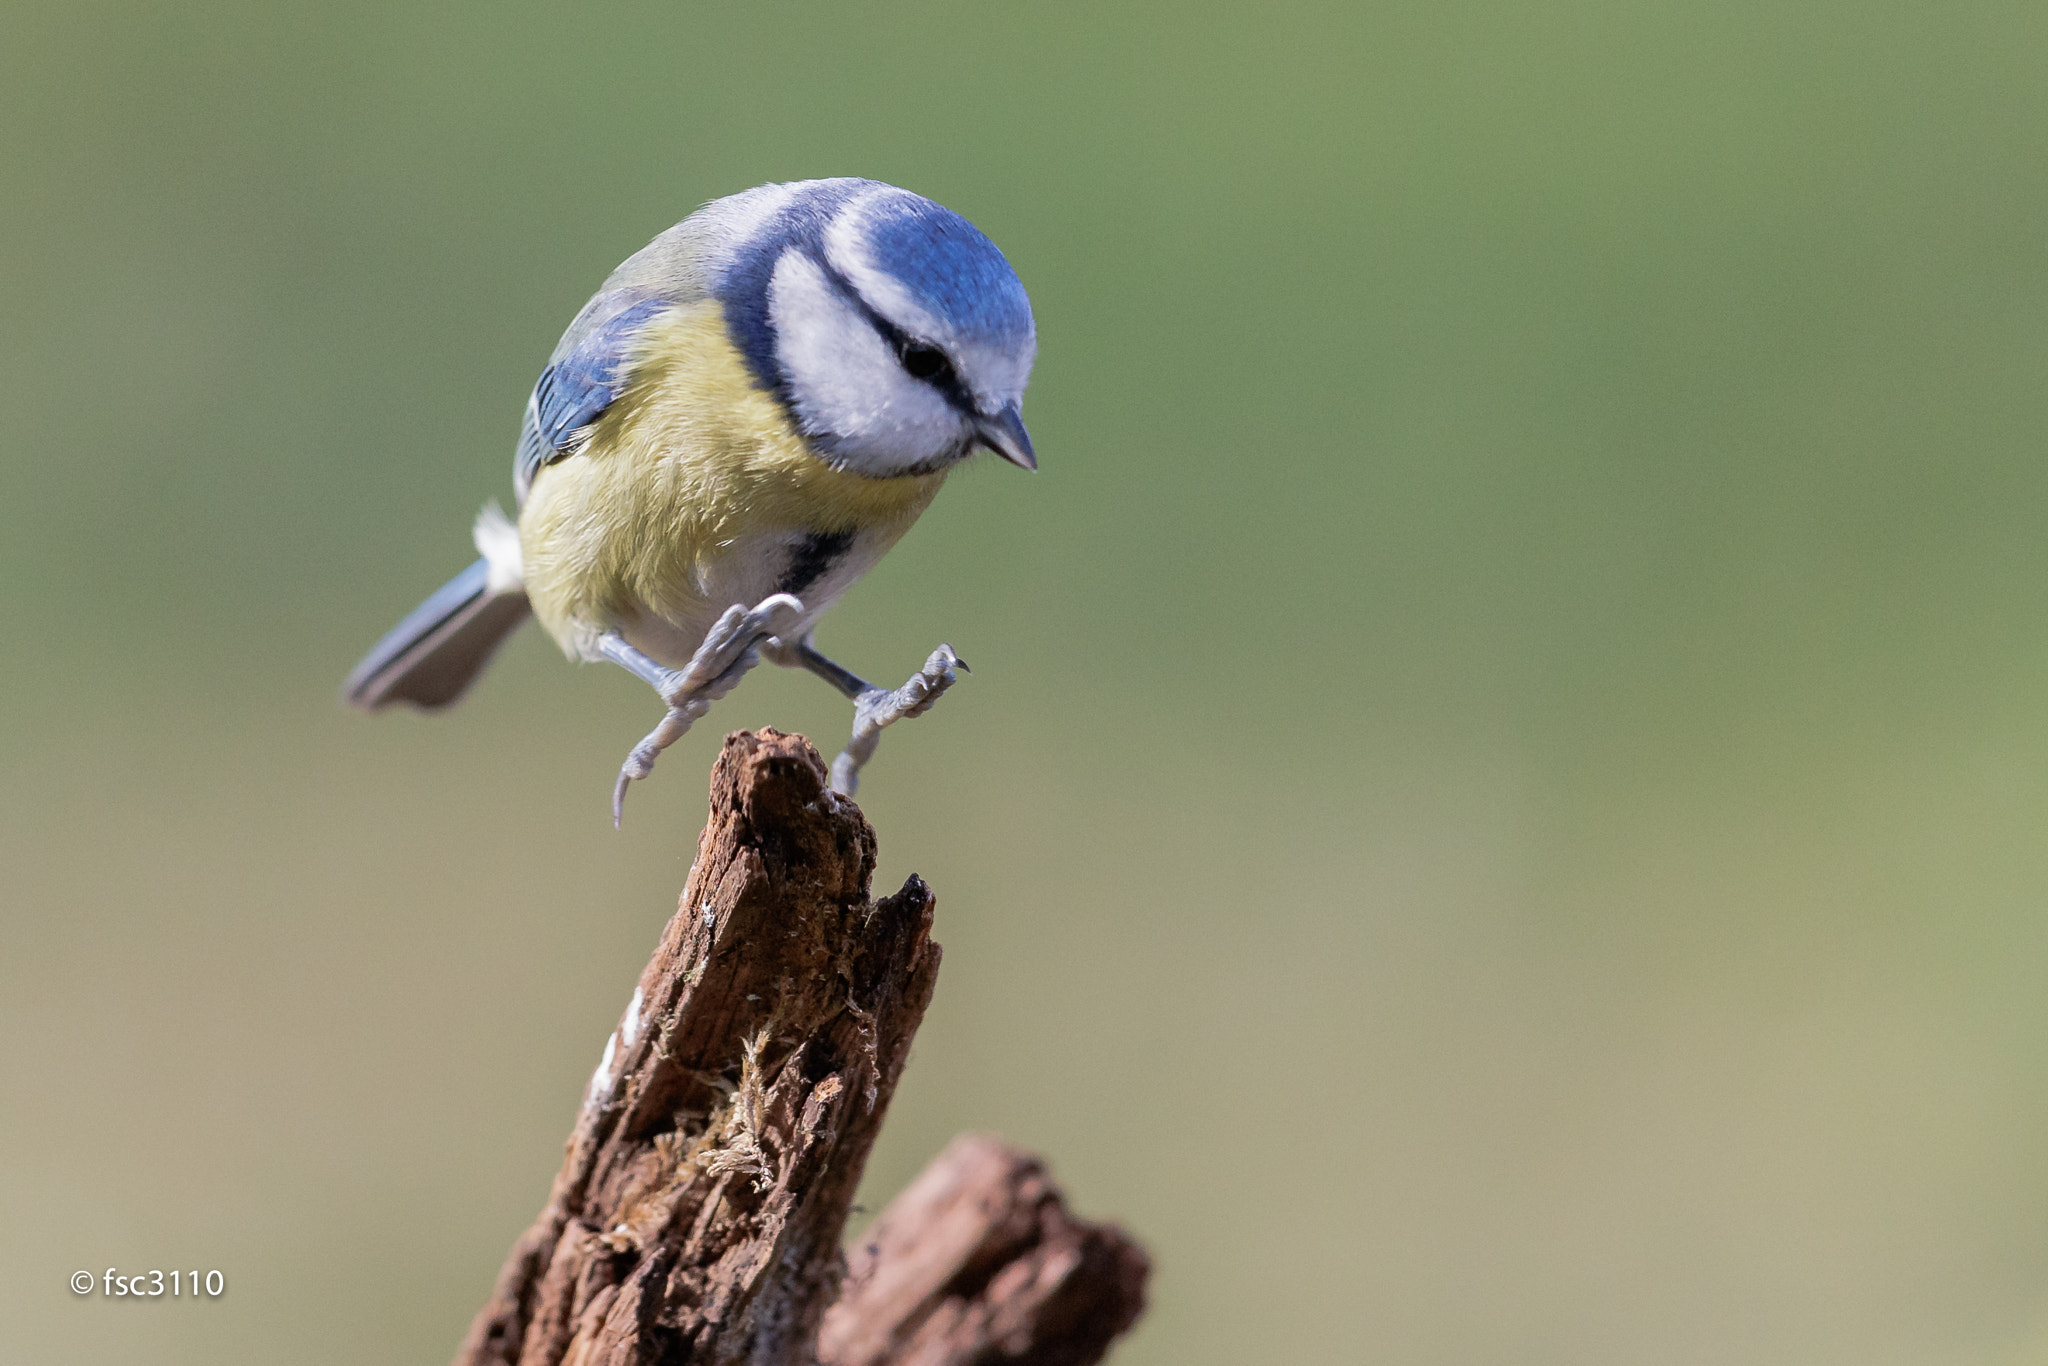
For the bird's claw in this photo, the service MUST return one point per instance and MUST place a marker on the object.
(640, 759)
(880, 707)
(917, 695)
(619, 794)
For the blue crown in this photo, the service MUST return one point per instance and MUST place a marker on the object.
(943, 260)
(950, 267)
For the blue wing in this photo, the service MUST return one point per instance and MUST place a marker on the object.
(584, 377)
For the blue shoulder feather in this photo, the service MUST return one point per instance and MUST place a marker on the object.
(584, 377)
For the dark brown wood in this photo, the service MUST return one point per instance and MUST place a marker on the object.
(698, 1211)
(979, 1260)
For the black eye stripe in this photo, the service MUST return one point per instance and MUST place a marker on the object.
(943, 378)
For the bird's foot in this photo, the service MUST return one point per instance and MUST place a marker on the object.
(880, 707)
(730, 649)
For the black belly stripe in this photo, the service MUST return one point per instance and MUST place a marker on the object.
(812, 558)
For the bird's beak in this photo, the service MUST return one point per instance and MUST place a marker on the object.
(1005, 435)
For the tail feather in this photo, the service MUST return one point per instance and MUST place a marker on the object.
(431, 657)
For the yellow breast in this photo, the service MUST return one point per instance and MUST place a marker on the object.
(692, 464)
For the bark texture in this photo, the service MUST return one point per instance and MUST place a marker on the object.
(979, 1261)
(697, 1215)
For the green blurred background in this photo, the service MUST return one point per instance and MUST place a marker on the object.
(1502, 812)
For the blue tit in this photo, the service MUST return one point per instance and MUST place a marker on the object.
(745, 418)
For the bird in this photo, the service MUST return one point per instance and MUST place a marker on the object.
(744, 418)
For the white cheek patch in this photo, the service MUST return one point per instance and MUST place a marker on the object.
(845, 381)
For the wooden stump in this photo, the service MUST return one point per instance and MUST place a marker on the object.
(699, 1208)
(978, 1260)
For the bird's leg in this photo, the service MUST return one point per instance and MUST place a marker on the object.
(730, 649)
(873, 707)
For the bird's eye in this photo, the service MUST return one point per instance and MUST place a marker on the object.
(924, 362)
